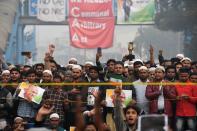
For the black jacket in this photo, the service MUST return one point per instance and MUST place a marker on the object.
(6, 103)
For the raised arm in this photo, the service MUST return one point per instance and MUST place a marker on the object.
(80, 124)
(151, 51)
(98, 119)
(98, 63)
(45, 110)
(160, 57)
(118, 111)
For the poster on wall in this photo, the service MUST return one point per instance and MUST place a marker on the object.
(136, 12)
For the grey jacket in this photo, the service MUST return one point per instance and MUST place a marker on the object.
(121, 125)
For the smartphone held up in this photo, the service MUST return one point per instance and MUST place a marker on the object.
(99, 50)
(130, 46)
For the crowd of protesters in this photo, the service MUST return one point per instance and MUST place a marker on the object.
(168, 87)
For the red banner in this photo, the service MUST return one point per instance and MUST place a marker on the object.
(91, 23)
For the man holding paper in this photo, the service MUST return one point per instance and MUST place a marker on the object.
(27, 109)
(117, 79)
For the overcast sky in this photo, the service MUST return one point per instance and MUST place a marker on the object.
(59, 35)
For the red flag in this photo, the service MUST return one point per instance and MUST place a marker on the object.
(91, 25)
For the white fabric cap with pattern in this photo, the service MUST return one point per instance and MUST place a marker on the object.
(69, 65)
(186, 58)
(72, 59)
(143, 68)
(48, 72)
(126, 64)
(89, 62)
(54, 115)
(152, 69)
(160, 68)
(180, 56)
(76, 67)
(138, 60)
(5, 72)
(18, 118)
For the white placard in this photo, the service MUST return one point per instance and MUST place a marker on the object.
(51, 10)
(91, 98)
(126, 97)
(31, 92)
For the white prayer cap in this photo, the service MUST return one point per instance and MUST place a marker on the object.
(89, 62)
(126, 64)
(5, 72)
(69, 65)
(160, 68)
(76, 67)
(130, 66)
(48, 72)
(54, 115)
(138, 60)
(180, 56)
(143, 68)
(72, 59)
(152, 69)
(11, 66)
(186, 58)
(18, 118)
(131, 62)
